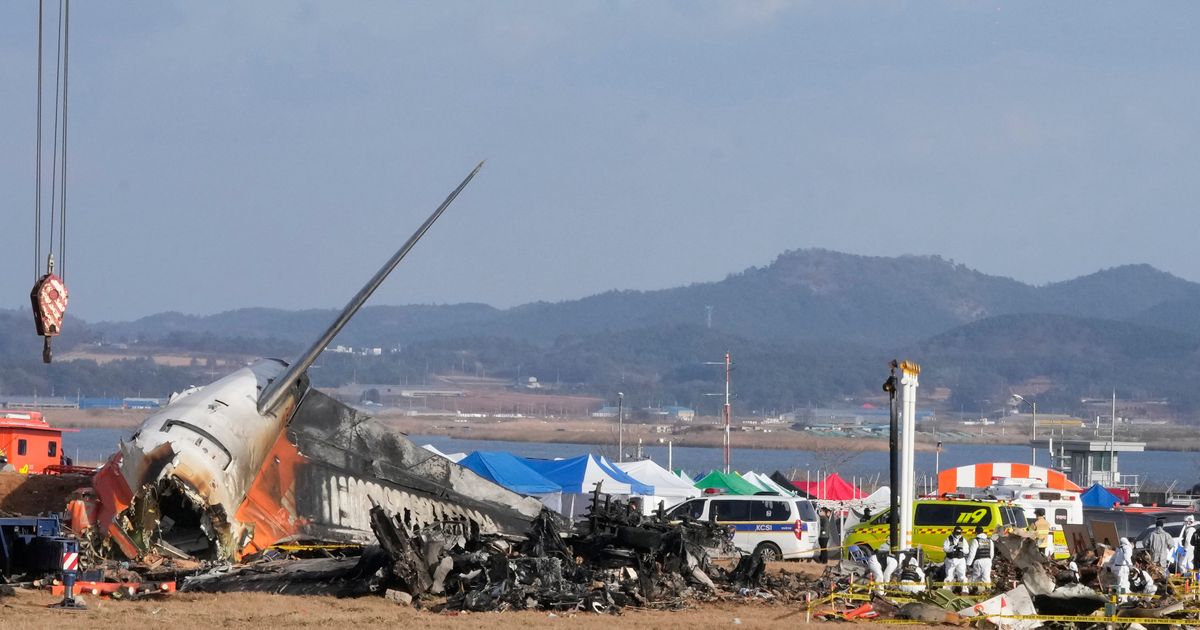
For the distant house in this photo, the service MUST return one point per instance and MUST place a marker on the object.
(141, 403)
(605, 412)
(683, 414)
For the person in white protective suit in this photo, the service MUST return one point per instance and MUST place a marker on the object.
(1186, 552)
(882, 564)
(912, 578)
(1120, 565)
(956, 558)
(1141, 582)
(979, 559)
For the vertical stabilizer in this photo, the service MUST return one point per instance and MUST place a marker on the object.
(274, 392)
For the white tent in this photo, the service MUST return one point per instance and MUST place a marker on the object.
(579, 476)
(767, 484)
(454, 457)
(876, 501)
(668, 488)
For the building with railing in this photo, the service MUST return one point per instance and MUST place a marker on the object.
(1087, 462)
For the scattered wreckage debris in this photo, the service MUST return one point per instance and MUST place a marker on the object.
(1028, 591)
(615, 558)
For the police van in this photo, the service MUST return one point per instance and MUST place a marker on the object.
(934, 519)
(774, 526)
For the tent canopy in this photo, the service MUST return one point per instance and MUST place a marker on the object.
(581, 474)
(729, 482)
(454, 457)
(509, 471)
(831, 488)
(1099, 496)
(782, 480)
(666, 483)
(768, 484)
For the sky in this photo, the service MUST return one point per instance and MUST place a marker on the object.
(230, 154)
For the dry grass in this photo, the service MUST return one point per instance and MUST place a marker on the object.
(96, 418)
(590, 431)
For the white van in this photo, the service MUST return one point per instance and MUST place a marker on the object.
(777, 527)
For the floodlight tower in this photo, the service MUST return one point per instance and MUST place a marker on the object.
(909, 372)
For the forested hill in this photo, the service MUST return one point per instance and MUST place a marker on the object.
(803, 295)
(812, 327)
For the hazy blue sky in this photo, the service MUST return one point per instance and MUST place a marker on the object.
(231, 154)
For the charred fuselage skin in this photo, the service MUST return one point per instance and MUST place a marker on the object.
(205, 448)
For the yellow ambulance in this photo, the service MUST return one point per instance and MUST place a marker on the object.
(934, 519)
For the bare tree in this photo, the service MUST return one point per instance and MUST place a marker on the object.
(832, 458)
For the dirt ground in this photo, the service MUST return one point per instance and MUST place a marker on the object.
(262, 610)
(35, 494)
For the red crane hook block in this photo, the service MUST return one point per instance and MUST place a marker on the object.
(49, 297)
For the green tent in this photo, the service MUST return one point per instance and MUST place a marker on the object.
(731, 483)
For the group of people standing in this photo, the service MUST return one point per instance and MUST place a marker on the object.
(1174, 554)
(967, 561)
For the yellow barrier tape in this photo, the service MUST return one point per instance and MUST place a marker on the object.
(1093, 619)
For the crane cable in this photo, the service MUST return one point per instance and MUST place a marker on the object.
(49, 295)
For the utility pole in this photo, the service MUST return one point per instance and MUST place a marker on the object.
(620, 426)
(728, 366)
(1033, 429)
(889, 386)
(726, 411)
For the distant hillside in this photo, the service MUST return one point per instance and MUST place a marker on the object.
(803, 295)
(1082, 357)
(1181, 315)
(813, 327)
(1118, 293)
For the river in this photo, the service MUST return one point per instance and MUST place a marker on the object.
(1155, 467)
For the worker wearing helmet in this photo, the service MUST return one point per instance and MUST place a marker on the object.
(1041, 531)
(956, 557)
(979, 559)
(912, 578)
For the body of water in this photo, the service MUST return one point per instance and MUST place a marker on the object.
(1155, 467)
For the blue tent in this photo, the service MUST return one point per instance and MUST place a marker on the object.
(509, 471)
(1099, 496)
(579, 475)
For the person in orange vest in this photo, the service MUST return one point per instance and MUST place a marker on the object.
(1041, 530)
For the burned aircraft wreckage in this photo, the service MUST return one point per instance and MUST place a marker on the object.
(260, 458)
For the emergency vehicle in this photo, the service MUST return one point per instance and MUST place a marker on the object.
(773, 526)
(1062, 506)
(934, 519)
(28, 443)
